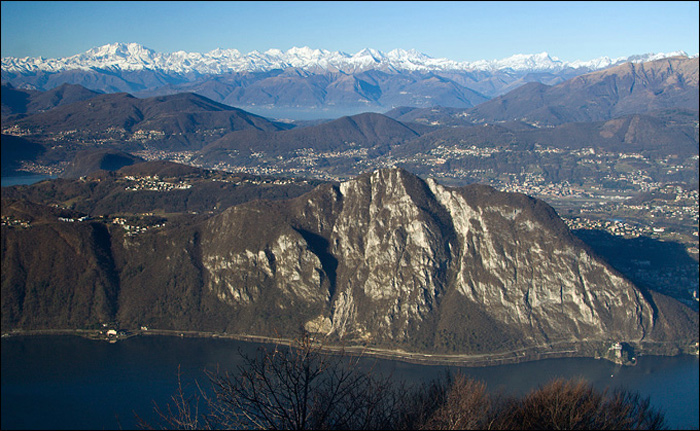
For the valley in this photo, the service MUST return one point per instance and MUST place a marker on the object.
(655, 196)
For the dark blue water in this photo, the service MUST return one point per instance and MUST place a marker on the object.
(24, 180)
(67, 382)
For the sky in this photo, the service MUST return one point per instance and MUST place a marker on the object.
(460, 31)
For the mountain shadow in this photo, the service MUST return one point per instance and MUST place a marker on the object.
(15, 150)
(91, 160)
(320, 246)
(662, 266)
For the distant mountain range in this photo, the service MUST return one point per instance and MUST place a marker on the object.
(622, 90)
(629, 88)
(302, 82)
(647, 107)
(133, 56)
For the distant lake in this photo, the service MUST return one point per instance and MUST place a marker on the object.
(24, 179)
(68, 382)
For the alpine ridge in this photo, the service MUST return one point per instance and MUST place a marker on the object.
(133, 56)
(301, 83)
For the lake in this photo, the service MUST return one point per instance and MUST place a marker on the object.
(68, 382)
(24, 180)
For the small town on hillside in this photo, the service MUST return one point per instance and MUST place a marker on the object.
(586, 205)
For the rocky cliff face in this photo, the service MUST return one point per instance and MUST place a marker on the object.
(392, 260)
(385, 259)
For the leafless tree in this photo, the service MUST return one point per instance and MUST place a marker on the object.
(576, 405)
(289, 387)
(183, 412)
(466, 406)
(303, 387)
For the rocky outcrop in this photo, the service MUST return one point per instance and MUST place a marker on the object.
(391, 260)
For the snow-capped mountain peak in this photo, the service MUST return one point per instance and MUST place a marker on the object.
(133, 56)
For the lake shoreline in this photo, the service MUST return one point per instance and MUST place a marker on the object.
(93, 384)
(590, 350)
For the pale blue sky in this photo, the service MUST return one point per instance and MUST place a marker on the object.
(462, 31)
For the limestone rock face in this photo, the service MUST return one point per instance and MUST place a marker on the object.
(521, 265)
(392, 260)
(395, 254)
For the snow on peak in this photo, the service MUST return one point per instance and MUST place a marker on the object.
(656, 56)
(133, 56)
(520, 62)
